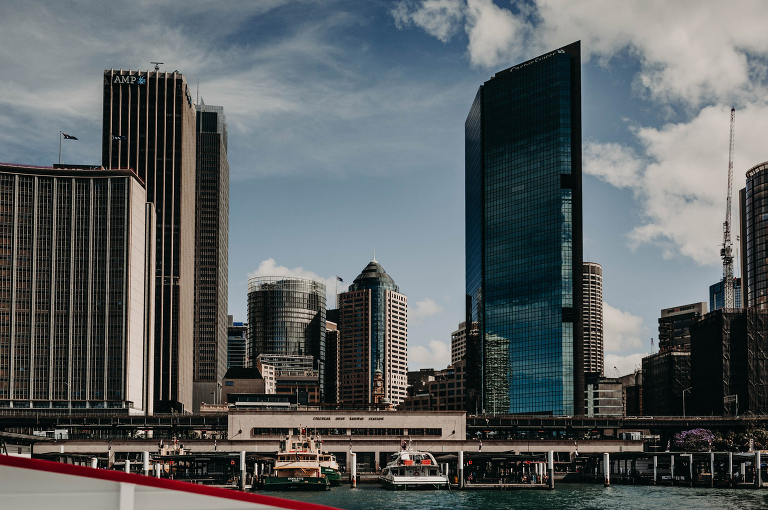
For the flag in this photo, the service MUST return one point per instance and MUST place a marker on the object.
(122, 138)
(339, 278)
(68, 137)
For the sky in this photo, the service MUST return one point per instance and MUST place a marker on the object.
(346, 131)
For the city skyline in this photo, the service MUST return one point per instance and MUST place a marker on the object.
(318, 119)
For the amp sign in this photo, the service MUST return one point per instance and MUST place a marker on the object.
(131, 79)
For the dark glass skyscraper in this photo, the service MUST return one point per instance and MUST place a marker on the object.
(211, 253)
(524, 238)
(286, 316)
(756, 270)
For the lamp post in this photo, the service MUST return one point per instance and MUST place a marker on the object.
(689, 392)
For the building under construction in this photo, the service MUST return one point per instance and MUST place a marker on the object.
(729, 362)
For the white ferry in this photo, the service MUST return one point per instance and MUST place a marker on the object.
(410, 469)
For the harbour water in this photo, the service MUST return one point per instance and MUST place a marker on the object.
(565, 496)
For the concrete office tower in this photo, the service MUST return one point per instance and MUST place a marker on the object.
(238, 347)
(674, 325)
(331, 361)
(524, 238)
(459, 342)
(592, 278)
(717, 298)
(75, 297)
(373, 335)
(153, 112)
(286, 316)
(211, 253)
(756, 198)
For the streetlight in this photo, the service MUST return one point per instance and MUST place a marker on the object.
(689, 392)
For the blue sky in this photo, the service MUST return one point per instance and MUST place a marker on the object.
(346, 130)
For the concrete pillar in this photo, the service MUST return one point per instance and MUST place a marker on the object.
(461, 469)
(672, 468)
(94, 463)
(127, 466)
(758, 471)
(730, 466)
(655, 469)
(242, 471)
(353, 460)
(606, 470)
(690, 468)
(145, 461)
(712, 469)
(551, 466)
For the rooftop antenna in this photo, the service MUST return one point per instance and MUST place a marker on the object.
(374, 255)
(157, 65)
(197, 99)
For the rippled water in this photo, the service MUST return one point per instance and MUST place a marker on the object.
(369, 496)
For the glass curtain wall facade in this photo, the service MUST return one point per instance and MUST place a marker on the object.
(286, 315)
(73, 320)
(757, 236)
(524, 238)
(154, 113)
(211, 253)
(717, 297)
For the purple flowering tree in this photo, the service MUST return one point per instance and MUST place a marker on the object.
(695, 440)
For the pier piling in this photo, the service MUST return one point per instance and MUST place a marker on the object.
(712, 469)
(730, 466)
(655, 469)
(145, 462)
(242, 471)
(758, 473)
(551, 466)
(672, 467)
(94, 463)
(606, 470)
(461, 469)
(157, 470)
(127, 466)
(353, 460)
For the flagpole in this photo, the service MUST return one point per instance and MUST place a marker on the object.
(59, 147)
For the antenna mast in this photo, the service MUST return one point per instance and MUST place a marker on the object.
(727, 251)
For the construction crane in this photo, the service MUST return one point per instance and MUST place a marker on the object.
(727, 250)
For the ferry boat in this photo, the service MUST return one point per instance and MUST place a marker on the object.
(297, 467)
(330, 468)
(411, 469)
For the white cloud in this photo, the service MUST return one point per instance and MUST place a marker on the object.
(423, 309)
(495, 34)
(437, 355)
(269, 267)
(439, 18)
(625, 364)
(681, 183)
(689, 51)
(614, 163)
(621, 330)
